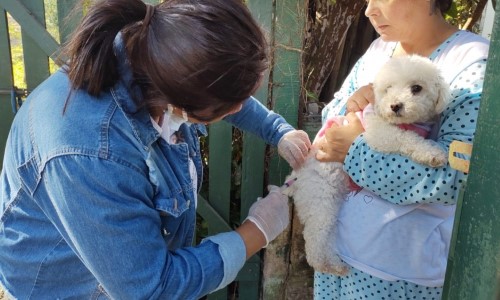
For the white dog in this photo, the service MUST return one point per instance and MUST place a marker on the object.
(408, 90)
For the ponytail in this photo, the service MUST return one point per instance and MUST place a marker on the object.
(92, 64)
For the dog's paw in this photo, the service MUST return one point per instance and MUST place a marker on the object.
(430, 155)
(338, 268)
(328, 262)
(439, 160)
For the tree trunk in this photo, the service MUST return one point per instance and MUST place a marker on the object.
(327, 27)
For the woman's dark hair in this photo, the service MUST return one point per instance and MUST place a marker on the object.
(443, 5)
(195, 54)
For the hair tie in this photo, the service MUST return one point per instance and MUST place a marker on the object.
(150, 11)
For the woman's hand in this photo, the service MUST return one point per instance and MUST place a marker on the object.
(335, 144)
(266, 219)
(360, 99)
(294, 147)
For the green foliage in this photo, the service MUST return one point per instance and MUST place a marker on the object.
(454, 15)
(16, 52)
(51, 23)
(311, 96)
(460, 11)
(51, 20)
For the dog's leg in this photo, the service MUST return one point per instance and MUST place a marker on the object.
(320, 244)
(319, 193)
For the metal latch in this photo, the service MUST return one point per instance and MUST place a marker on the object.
(456, 148)
(16, 96)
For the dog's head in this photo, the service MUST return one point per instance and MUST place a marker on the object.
(409, 89)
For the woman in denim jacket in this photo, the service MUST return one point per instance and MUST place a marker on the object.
(102, 165)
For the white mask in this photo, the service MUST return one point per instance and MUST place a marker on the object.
(172, 122)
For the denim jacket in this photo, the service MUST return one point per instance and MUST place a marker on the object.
(94, 204)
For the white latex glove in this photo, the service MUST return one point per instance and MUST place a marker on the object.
(294, 146)
(270, 214)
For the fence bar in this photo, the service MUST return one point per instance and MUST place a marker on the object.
(473, 270)
(288, 31)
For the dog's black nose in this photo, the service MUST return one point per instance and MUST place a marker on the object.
(396, 107)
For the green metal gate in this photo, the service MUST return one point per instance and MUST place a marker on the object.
(258, 165)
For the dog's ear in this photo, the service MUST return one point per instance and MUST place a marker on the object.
(443, 96)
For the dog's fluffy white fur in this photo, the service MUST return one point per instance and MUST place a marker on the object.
(407, 90)
(317, 193)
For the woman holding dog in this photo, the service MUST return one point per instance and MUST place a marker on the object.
(395, 233)
(98, 191)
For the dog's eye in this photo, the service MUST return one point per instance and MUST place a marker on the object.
(415, 89)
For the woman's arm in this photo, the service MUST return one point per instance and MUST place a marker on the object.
(293, 145)
(257, 119)
(108, 218)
